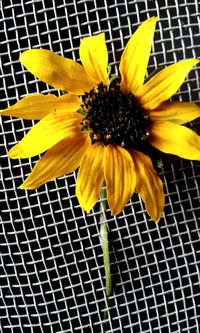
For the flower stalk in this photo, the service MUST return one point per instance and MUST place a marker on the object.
(104, 231)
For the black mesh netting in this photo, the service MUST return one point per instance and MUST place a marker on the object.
(51, 273)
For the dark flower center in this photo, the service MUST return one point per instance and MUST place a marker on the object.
(114, 117)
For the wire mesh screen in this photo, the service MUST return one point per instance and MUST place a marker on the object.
(52, 275)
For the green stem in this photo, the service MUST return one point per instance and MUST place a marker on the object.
(105, 243)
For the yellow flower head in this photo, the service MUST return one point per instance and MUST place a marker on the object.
(116, 123)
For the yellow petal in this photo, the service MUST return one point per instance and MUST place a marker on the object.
(134, 60)
(175, 139)
(120, 177)
(46, 133)
(177, 112)
(90, 177)
(61, 159)
(37, 106)
(148, 185)
(94, 57)
(164, 84)
(58, 72)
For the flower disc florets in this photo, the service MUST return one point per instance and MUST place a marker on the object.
(114, 117)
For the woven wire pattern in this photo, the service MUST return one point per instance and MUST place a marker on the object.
(51, 273)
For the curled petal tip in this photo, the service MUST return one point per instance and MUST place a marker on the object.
(153, 18)
(26, 185)
(22, 56)
(196, 61)
(193, 61)
(157, 220)
(14, 152)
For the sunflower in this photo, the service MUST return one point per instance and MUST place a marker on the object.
(104, 126)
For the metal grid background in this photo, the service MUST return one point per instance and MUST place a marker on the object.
(51, 274)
